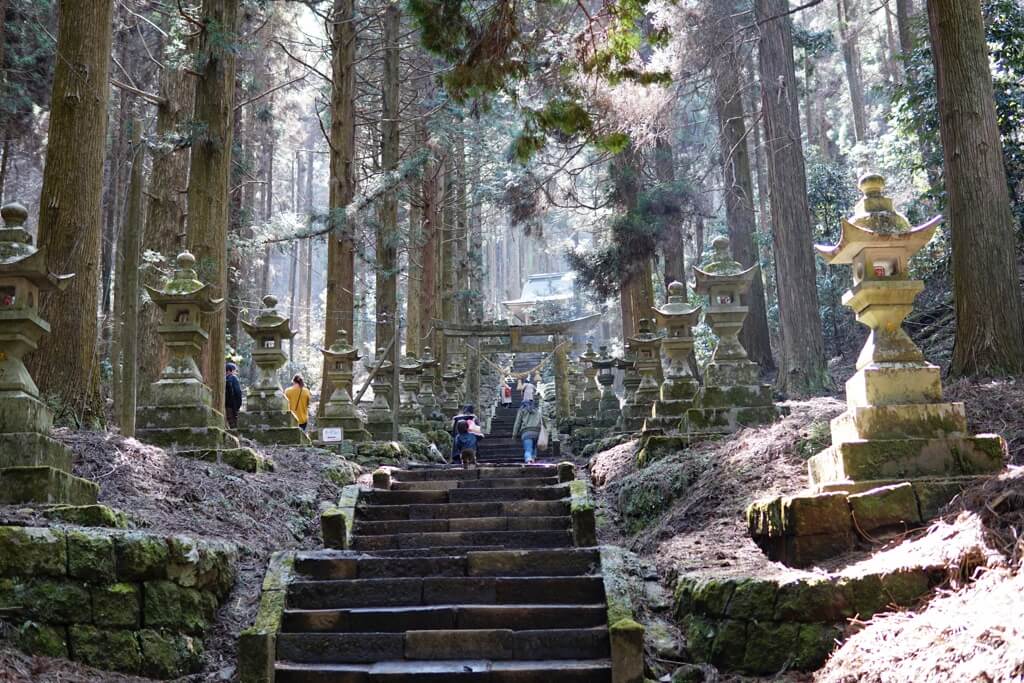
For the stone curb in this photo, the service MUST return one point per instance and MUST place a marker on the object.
(625, 634)
(336, 521)
(581, 506)
(257, 645)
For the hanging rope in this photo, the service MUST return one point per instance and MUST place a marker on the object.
(507, 372)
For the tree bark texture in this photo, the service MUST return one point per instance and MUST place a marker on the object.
(738, 184)
(802, 367)
(387, 223)
(210, 172)
(846, 11)
(986, 285)
(70, 207)
(166, 208)
(340, 241)
(129, 285)
(674, 247)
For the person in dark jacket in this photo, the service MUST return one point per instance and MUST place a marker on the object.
(465, 444)
(232, 395)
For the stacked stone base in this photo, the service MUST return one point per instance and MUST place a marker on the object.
(272, 428)
(727, 409)
(860, 493)
(37, 469)
(119, 601)
(184, 426)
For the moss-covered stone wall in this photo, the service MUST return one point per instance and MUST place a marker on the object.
(764, 626)
(118, 600)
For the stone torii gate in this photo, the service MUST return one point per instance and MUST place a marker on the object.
(521, 339)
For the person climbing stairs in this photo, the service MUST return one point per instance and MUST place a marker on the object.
(500, 447)
(452, 575)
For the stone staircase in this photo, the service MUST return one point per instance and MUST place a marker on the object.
(447, 575)
(500, 448)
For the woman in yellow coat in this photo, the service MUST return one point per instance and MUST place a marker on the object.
(298, 400)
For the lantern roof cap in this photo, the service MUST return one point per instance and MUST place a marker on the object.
(427, 360)
(269, 321)
(410, 363)
(341, 349)
(676, 308)
(184, 287)
(19, 257)
(875, 223)
(722, 269)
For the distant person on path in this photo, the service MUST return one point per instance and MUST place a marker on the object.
(232, 395)
(469, 416)
(465, 444)
(298, 400)
(529, 390)
(506, 394)
(528, 425)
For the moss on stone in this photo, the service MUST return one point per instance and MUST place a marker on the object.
(169, 655)
(770, 646)
(205, 565)
(91, 556)
(811, 600)
(168, 605)
(32, 551)
(117, 605)
(814, 644)
(54, 602)
(42, 640)
(711, 596)
(753, 599)
(729, 647)
(112, 650)
(641, 497)
(700, 635)
(141, 557)
(88, 515)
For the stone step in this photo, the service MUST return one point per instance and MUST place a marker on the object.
(451, 539)
(457, 472)
(492, 644)
(349, 564)
(444, 617)
(459, 671)
(496, 483)
(517, 508)
(410, 526)
(380, 497)
(556, 590)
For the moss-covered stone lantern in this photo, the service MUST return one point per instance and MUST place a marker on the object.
(646, 346)
(378, 415)
(410, 369)
(266, 418)
(899, 452)
(181, 412)
(608, 409)
(679, 387)
(430, 407)
(732, 396)
(340, 411)
(34, 468)
(591, 397)
(452, 381)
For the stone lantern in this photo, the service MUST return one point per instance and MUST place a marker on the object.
(410, 368)
(452, 380)
(679, 386)
(340, 410)
(266, 418)
(34, 468)
(630, 382)
(732, 396)
(609, 411)
(181, 413)
(430, 407)
(378, 416)
(646, 346)
(898, 453)
(591, 396)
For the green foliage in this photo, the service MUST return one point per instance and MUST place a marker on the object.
(28, 63)
(915, 103)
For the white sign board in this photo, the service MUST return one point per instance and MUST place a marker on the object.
(331, 434)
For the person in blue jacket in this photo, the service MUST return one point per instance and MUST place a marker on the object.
(232, 395)
(465, 444)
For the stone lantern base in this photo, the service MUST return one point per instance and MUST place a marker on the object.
(272, 427)
(35, 468)
(731, 398)
(890, 466)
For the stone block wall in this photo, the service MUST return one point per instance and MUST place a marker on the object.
(123, 601)
(764, 626)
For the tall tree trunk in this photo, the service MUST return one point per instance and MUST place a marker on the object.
(340, 241)
(307, 293)
(986, 285)
(70, 207)
(674, 248)
(802, 367)
(128, 284)
(210, 172)
(387, 223)
(903, 11)
(166, 208)
(738, 184)
(5, 156)
(846, 11)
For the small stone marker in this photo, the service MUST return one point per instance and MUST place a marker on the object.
(34, 468)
